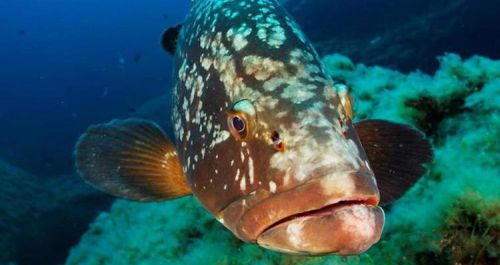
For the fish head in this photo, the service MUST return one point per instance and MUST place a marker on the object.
(311, 190)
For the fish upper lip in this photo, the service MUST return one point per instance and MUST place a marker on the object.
(325, 210)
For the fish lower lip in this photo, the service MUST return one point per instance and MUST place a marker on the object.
(344, 228)
(326, 210)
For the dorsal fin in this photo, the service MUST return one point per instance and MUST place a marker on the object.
(132, 159)
(396, 153)
(169, 39)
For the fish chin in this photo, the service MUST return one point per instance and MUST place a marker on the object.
(341, 229)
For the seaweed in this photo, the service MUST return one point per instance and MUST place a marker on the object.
(434, 112)
(471, 231)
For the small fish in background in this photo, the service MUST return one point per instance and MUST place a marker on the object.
(121, 61)
(264, 139)
(105, 92)
(137, 58)
(166, 17)
(21, 32)
(375, 40)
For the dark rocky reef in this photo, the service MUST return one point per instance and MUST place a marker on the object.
(41, 217)
(400, 34)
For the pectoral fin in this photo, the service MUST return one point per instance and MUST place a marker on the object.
(132, 159)
(396, 153)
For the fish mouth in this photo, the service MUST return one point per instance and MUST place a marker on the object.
(306, 220)
(343, 228)
(324, 211)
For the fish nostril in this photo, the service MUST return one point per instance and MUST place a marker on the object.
(278, 143)
(275, 136)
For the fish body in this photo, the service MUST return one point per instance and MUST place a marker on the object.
(252, 51)
(264, 139)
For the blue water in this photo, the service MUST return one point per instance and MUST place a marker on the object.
(67, 64)
(70, 63)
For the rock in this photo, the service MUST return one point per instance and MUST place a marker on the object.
(40, 217)
(403, 35)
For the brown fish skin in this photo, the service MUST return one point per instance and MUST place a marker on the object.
(250, 57)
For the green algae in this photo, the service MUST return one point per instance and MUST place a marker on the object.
(471, 231)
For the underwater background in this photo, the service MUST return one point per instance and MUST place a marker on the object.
(67, 64)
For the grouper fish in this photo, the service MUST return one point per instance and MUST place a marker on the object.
(264, 138)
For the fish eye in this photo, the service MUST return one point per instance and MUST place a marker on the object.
(239, 124)
(238, 127)
(241, 120)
